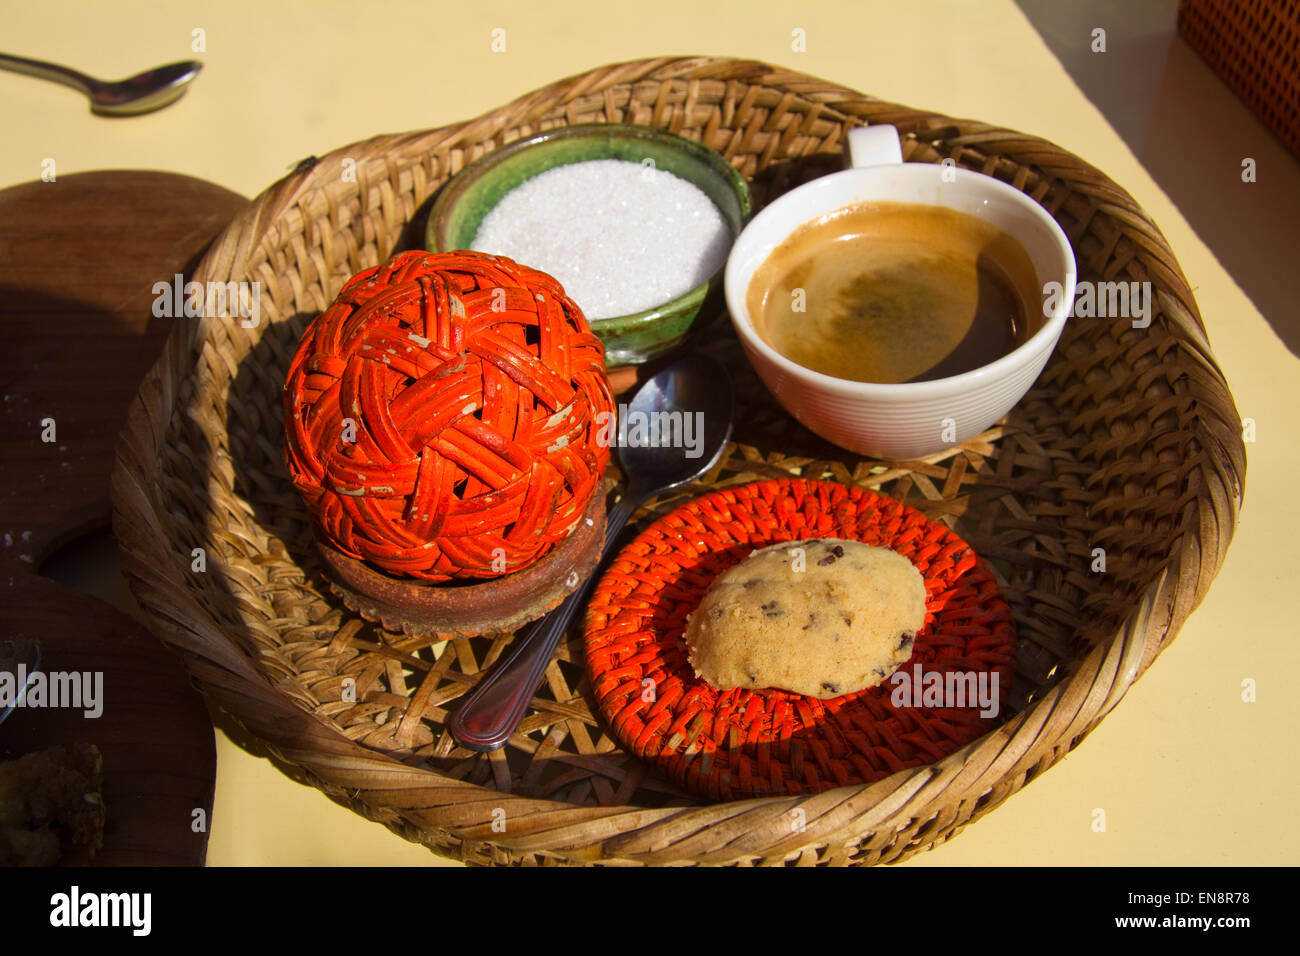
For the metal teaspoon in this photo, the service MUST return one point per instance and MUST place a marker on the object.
(142, 93)
(695, 384)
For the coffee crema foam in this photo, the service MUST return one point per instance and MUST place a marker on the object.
(895, 292)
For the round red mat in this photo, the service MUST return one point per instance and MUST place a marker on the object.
(740, 743)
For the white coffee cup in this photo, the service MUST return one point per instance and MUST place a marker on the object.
(911, 419)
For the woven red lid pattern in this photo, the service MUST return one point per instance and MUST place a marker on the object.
(442, 416)
(740, 743)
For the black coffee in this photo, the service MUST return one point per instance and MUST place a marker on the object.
(895, 292)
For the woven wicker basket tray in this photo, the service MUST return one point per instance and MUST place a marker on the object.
(1129, 442)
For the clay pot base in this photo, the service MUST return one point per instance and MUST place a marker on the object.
(424, 609)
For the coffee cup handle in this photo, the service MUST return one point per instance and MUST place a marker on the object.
(874, 146)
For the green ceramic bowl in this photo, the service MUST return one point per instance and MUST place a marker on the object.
(629, 339)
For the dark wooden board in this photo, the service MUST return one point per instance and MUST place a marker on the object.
(78, 261)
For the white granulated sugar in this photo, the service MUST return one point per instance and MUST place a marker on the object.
(621, 237)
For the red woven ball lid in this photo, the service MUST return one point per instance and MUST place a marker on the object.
(442, 416)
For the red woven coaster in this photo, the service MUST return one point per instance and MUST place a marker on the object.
(740, 743)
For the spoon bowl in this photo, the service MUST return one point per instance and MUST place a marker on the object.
(677, 426)
(145, 92)
(691, 403)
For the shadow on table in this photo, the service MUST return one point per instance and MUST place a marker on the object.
(1192, 134)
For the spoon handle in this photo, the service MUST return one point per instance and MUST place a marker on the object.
(47, 71)
(16, 655)
(490, 714)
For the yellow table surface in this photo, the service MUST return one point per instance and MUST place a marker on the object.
(1186, 772)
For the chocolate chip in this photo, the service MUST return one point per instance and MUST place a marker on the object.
(837, 551)
(830, 688)
(771, 609)
(753, 678)
(750, 583)
(829, 559)
(848, 621)
(905, 640)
